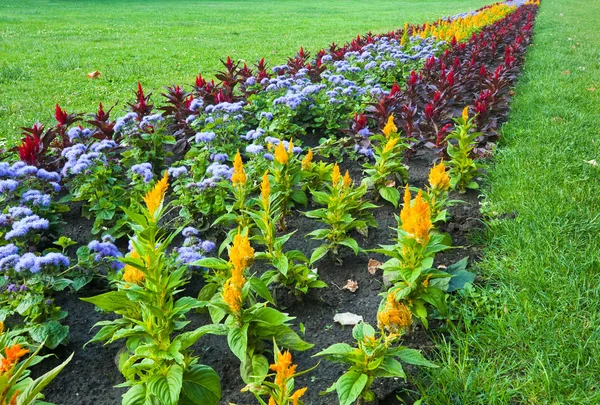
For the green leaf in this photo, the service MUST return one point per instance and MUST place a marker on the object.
(187, 339)
(211, 263)
(337, 349)
(349, 386)
(460, 276)
(166, 388)
(260, 288)
(237, 339)
(319, 253)
(299, 196)
(51, 332)
(282, 264)
(254, 369)
(136, 395)
(271, 316)
(389, 368)
(30, 394)
(412, 356)
(390, 194)
(201, 386)
(352, 244)
(112, 301)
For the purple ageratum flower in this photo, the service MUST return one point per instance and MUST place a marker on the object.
(8, 250)
(104, 249)
(28, 261)
(48, 176)
(36, 198)
(365, 132)
(23, 226)
(73, 152)
(6, 263)
(254, 149)
(144, 170)
(55, 186)
(208, 246)
(387, 65)
(6, 170)
(122, 122)
(368, 152)
(220, 170)
(272, 140)
(253, 134)
(266, 115)
(74, 133)
(312, 89)
(209, 183)
(370, 65)
(205, 137)
(102, 145)
(53, 259)
(176, 172)
(19, 212)
(297, 150)
(326, 58)
(190, 231)
(191, 119)
(268, 156)
(196, 104)
(26, 171)
(11, 288)
(151, 120)
(219, 157)
(8, 186)
(251, 81)
(187, 255)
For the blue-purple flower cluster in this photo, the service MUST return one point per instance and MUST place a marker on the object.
(193, 248)
(10, 259)
(144, 170)
(106, 250)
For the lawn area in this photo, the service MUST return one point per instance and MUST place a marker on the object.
(48, 47)
(530, 334)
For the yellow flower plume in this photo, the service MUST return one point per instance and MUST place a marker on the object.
(132, 274)
(390, 127)
(238, 178)
(307, 160)
(154, 197)
(465, 113)
(395, 315)
(232, 295)
(438, 177)
(265, 189)
(241, 256)
(347, 180)
(390, 144)
(335, 175)
(416, 217)
(281, 155)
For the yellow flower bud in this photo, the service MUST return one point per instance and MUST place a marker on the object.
(281, 154)
(465, 113)
(307, 160)
(335, 175)
(390, 127)
(238, 178)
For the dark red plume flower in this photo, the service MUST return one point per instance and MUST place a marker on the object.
(61, 115)
(29, 150)
(200, 82)
(395, 89)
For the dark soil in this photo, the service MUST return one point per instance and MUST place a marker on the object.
(90, 377)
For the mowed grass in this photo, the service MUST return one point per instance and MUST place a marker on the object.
(48, 46)
(531, 334)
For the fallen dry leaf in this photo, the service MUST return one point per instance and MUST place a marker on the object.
(373, 266)
(351, 285)
(94, 75)
(391, 183)
(592, 89)
(566, 72)
(591, 162)
(347, 319)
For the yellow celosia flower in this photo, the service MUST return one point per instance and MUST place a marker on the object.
(1, 327)
(232, 295)
(284, 368)
(390, 144)
(347, 180)
(390, 127)
(131, 274)
(416, 217)
(154, 197)
(296, 396)
(291, 147)
(438, 177)
(265, 189)
(238, 178)
(241, 256)
(465, 113)
(307, 160)
(281, 155)
(395, 315)
(272, 401)
(335, 175)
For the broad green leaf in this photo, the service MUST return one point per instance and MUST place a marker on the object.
(412, 356)
(112, 301)
(32, 391)
(337, 349)
(136, 395)
(201, 386)
(390, 367)
(390, 194)
(349, 386)
(254, 369)
(167, 388)
(237, 339)
(318, 253)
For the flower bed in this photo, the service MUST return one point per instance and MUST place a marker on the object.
(283, 184)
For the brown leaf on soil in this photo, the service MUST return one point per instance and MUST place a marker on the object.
(351, 285)
(94, 75)
(373, 266)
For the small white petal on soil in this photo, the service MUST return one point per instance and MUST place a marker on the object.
(347, 319)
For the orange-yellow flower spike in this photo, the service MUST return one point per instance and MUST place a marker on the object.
(465, 114)
(232, 295)
(155, 197)
(438, 177)
(306, 162)
(12, 356)
(238, 178)
(347, 180)
(241, 256)
(390, 127)
(281, 155)
(395, 315)
(297, 395)
(265, 189)
(390, 144)
(335, 175)
(416, 217)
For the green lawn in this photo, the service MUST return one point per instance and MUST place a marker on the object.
(48, 46)
(531, 334)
